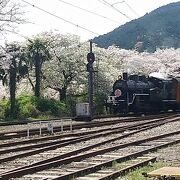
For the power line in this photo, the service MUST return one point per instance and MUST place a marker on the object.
(117, 3)
(131, 9)
(21, 35)
(127, 6)
(112, 6)
(42, 26)
(117, 10)
(91, 12)
(58, 17)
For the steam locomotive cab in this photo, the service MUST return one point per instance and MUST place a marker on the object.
(140, 94)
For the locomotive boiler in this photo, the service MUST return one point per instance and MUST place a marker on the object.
(138, 93)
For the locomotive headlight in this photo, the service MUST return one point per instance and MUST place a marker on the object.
(117, 92)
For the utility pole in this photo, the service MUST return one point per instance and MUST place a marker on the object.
(90, 59)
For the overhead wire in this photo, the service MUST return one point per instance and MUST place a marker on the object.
(88, 11)
(127, 6)
(42, 26)
(21, 35)
(132, 9)
(112, 6)
(58, 17)
(117, 3)
(103, 1)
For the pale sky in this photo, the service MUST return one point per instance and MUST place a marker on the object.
(118, 13)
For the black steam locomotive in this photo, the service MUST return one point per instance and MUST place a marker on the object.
(134, 93)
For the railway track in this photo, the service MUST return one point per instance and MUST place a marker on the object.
(22, 148)
(61, 154)
(83, 129)
(65, 167)
(77, 126)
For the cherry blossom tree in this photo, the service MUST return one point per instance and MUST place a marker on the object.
(66, 69)
(65, 72)
(12, 70)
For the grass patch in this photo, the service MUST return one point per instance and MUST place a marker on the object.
(137, 174)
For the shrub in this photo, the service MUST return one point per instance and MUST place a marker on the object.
(98, 103)
(99, 108)
(26, 105)
(31, 106)
(71, 105)
(3, 108)
(56, 108)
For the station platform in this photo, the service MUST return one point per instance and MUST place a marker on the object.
(166, 173)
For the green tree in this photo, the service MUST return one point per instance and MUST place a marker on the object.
(36, 54)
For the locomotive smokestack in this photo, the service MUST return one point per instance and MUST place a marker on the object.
(125, 76)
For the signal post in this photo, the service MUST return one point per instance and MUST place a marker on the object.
(90, 59)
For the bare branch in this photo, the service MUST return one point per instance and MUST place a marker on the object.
(10, 16)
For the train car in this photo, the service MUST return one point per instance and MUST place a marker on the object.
(135, 93)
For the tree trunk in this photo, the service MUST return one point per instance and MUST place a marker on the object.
(62, 93)
(37, 75)
(12, 87)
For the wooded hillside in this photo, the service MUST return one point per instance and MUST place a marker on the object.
(157, 29)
